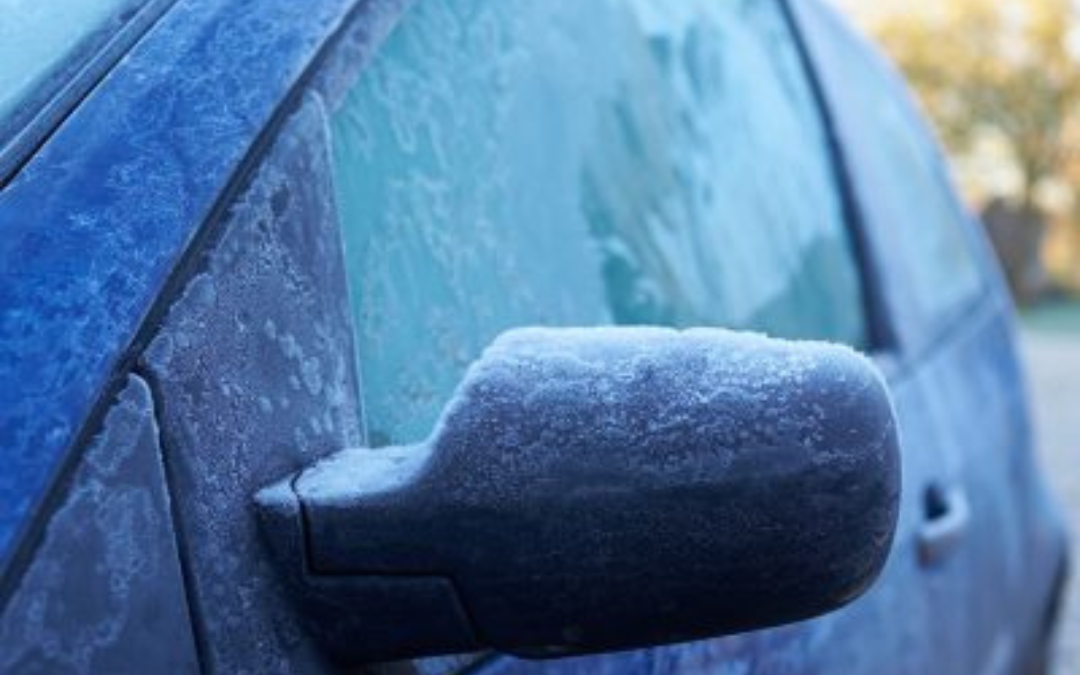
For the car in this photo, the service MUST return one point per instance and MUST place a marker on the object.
(290, 292)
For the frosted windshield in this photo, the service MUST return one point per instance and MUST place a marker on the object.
(41, 42)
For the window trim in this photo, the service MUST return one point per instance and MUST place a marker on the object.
(38, 117)
(882, 340)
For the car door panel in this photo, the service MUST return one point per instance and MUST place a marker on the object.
(980, 416)
(105, 583)
(956, 341)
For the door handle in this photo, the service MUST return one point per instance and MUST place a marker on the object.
(946, 516)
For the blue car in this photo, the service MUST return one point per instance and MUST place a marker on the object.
(449, 336)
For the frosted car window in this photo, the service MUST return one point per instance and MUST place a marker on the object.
(898, 167)
(42, 43)
(512, 163)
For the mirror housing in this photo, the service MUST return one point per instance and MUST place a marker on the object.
(599, 489)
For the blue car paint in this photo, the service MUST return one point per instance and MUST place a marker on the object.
(963, 365)
(112, 232)
(95, 225)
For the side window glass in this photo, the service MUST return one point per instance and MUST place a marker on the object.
(456, 159)
(899, 172)
(513, 163)
(716, 203)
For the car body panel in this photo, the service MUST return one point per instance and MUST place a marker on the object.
(141, 165)
(956, 339)
(253, 370)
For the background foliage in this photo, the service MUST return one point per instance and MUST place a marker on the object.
(1001, 83)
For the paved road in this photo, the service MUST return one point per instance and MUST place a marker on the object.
(1053, 361)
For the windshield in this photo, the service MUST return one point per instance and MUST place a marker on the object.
(44, 46)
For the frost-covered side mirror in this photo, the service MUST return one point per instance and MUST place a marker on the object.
(597, 489)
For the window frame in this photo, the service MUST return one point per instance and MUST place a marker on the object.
(37, 116)
(882, 340)
(898, 347)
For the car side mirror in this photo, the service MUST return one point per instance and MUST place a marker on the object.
(597, 489)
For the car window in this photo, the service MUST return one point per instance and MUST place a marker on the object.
(36, 38)
(513, 163)
(902, 180)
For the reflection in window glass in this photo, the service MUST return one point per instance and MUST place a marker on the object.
(516, 163)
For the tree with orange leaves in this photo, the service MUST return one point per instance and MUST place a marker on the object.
(1009, 69)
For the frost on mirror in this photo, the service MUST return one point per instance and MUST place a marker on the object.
(567, 163)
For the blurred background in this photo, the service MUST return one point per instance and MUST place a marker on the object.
(1000, 81)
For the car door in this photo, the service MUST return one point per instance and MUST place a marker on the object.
(684, 178)
(982, 515)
